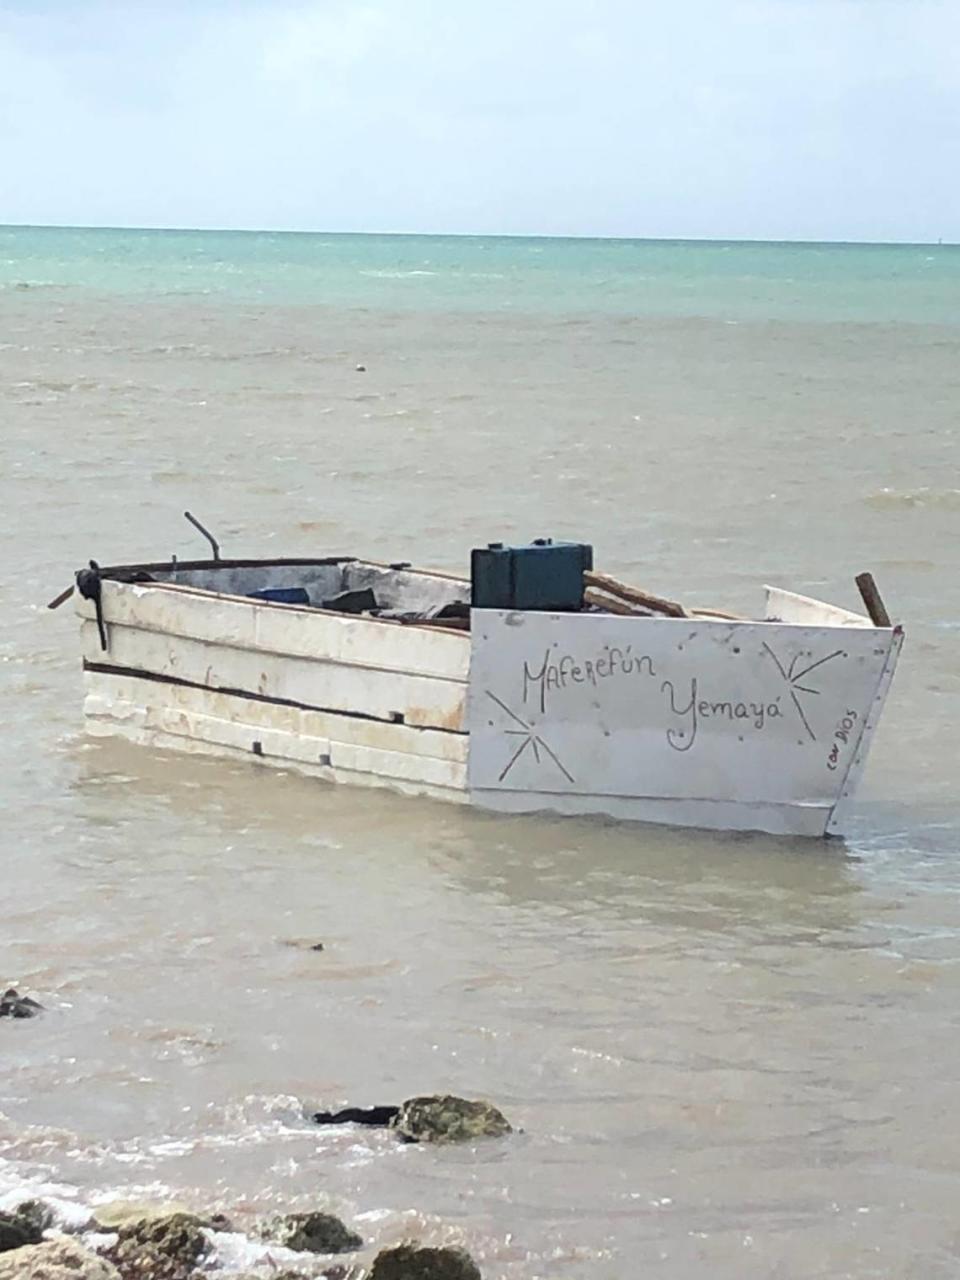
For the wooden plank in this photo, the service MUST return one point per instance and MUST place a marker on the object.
(396, 764)
(288, 630)
(613, 605)
(795, 610)
(349, 730)
(322, 685)
(590, 704)
(634, 594)
(130, 731)
(280, 744)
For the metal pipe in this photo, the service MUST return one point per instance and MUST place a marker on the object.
(215, 545)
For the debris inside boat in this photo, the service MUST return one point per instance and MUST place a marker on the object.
(536, 683)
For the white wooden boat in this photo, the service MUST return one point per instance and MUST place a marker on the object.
(700, 721)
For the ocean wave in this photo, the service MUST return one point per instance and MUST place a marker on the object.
(17, 1186)
(23, 286)
(231, 1252)
(58, 385)
(397, 275)
(905, 499)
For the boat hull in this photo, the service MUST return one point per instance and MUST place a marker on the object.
(751, 726)
(720, 724)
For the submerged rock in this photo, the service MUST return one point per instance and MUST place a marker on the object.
(411, 1262)
(56, 1260)
(433, 1118)
(17, 1230)
(160, 1248)
(13, 1005)
(449, 1119)
(312, 1233)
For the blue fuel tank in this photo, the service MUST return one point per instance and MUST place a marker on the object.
(545, 575)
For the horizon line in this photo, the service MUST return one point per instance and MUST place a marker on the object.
(477, 235)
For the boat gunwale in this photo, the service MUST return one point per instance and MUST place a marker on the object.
(109, 574)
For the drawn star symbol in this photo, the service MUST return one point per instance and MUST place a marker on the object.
(792, 678)
(531, 740)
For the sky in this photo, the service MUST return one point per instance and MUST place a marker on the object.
(756, 119)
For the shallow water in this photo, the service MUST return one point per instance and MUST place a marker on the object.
(726, 1054)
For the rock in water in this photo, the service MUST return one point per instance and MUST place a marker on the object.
(410, 1262)
(13, 1005)
(160, 1248)
(56, 1260)
(124, 1213)
(449, 1119)
(17, 1230)
(312, 1233)
(36, 1213)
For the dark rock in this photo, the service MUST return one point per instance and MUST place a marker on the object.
(13, 1005)
(411, 1262)
(165, 1248)
(56, 1260)
(17, 1231)
(449, 1119)
(36, 1213)
(442, 1118)
(312, 1233)
(376, 1117)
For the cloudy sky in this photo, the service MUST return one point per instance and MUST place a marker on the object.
(794, 119)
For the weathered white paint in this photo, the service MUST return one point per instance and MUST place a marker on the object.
(320, 581)
(844, 804)
(294, 631)
(709, 815)
(277, 743)
(741, 721)
(329, 686)
(694, 722)
(407, 589)
(131, 731)
(107, 691)
(786, 606)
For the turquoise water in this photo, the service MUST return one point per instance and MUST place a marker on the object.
(715, 280)
(684, 1025)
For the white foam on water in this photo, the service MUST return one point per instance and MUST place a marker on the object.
(17, 1187)
(234, 1251)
